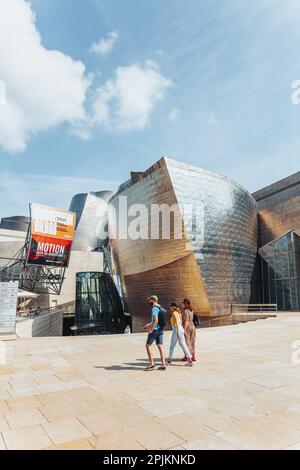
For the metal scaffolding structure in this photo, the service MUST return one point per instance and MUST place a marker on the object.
(40, 279)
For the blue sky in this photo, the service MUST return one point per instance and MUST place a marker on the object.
(207, 82)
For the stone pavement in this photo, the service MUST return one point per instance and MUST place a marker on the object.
(92, 393)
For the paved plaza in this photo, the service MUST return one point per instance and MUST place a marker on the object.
(92, 392)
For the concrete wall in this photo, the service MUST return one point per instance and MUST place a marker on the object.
(50, 324)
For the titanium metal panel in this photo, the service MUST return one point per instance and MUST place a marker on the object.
(227, 254)
(91, 214)
(213, 269)
(279, 209)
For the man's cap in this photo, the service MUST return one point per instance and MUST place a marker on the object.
(153, 297)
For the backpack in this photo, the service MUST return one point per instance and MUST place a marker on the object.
(162, 317)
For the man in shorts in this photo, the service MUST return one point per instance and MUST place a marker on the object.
(155, 333)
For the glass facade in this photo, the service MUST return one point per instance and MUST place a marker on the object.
(99, 307)
(280, 272)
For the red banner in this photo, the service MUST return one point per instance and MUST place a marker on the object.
(51, 236)
(49, 251)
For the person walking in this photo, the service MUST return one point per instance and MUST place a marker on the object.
(189, 328)
(178, 335)
(155, 331)
(127, 330)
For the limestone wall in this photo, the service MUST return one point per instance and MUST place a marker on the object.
(50, 324)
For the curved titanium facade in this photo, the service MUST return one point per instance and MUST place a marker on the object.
(17, 223)
(91, 219)
(212, 264)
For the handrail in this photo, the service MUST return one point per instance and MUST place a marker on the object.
(234, 315)
(214, 319)
(36, 312)
(41, 312)
(255, 308)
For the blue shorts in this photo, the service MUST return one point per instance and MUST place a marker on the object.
(156, 335)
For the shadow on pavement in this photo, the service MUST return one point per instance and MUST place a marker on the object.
(140, 364)
(126, 366)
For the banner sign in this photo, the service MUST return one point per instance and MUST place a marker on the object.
(8, 306)
(52, 233)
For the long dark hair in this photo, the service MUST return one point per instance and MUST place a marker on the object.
(187, 303)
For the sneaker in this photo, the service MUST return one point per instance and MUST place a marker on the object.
(189, 363)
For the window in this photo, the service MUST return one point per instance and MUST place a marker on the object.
(280, 265)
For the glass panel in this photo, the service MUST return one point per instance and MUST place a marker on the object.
(286, 284)
(273, 297)
(282, 257)
(285, 266)
(99, 307)
(279, 292)
(292, 264)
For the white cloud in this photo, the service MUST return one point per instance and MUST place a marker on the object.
(174, 114)
(44, 88)
(126, 102)
(105, 45)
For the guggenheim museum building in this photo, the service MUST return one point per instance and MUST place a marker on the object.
(179, 231)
